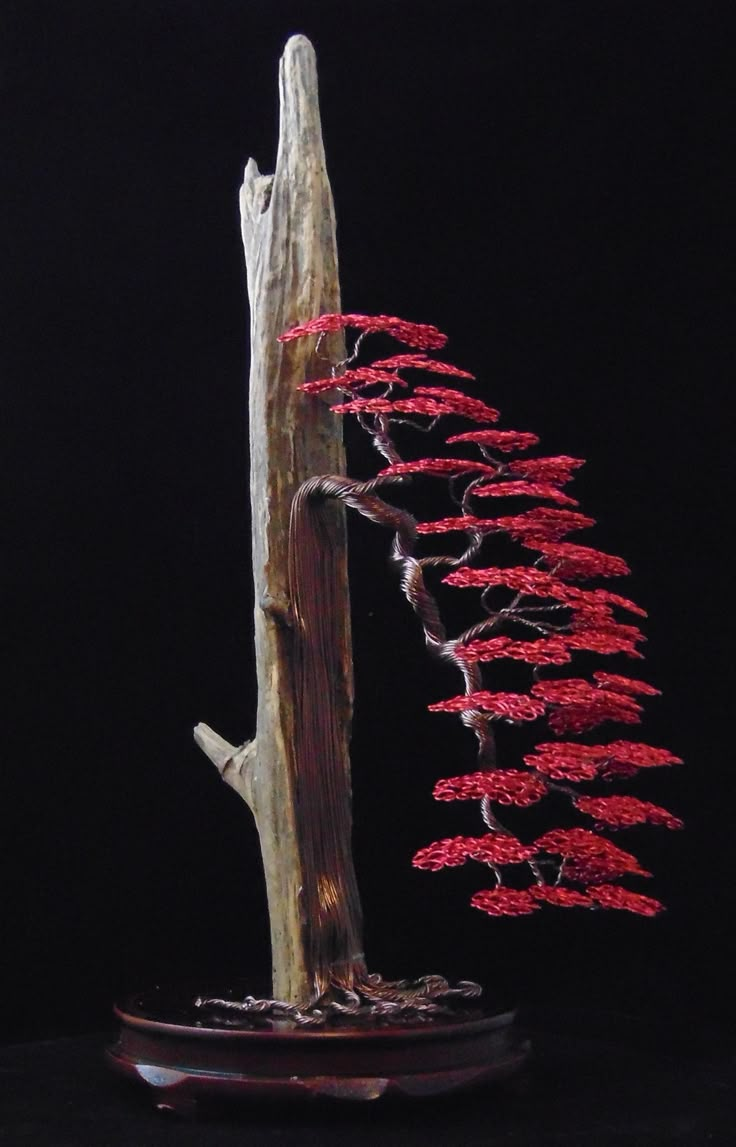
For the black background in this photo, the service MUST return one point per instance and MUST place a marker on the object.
(547, 183)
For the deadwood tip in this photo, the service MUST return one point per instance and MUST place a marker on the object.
(296, 44)
(298, 66)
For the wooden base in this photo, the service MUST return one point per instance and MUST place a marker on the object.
(163, 1045)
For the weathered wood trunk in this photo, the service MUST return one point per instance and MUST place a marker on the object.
(291, 258)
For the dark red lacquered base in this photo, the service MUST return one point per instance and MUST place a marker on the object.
(163, 1045)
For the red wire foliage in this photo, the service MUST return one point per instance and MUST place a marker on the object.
(535, 613)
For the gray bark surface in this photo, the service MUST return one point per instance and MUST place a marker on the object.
(288, 227)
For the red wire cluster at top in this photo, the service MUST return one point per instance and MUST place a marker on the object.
(536, 613)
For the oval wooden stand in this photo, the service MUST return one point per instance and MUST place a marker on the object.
(183, 1060)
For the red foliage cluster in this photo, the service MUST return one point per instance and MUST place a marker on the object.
(603, 639)
(433, 407)
(566, 761)
(524, 489)
(465, 522)
(459, 403)
(576, 705)
(353, 380)
(581, 716)
(504, 901)
(494, 849)
(511, 706)
(542, 651)
(499, 848)
(561, 897)
(439, 467)
(584, 847)
(557, 469)
(504, 440)
(523, 579)
(545, 523)
(614, 896)
(569, 761)
(593, 599)
(592, 625)
(639, 755)
(625, 684)
(520, 902)
(421, 362)
(592, 606)
(448, 853)
(578, 562)
(507, 786)
(421, 335)
(624, 811)
(390, 406)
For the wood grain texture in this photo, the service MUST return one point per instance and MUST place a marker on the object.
(288, 227)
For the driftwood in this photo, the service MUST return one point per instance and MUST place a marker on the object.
(302, 816)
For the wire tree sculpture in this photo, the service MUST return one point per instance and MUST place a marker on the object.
(541, 613)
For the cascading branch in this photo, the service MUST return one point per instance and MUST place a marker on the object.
(536, 613)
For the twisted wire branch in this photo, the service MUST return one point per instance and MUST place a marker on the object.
(360, 496)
